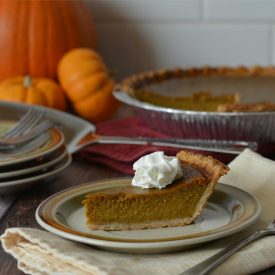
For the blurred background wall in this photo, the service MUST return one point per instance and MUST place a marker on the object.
(140, 35)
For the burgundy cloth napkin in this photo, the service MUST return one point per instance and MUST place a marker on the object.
(121, 157)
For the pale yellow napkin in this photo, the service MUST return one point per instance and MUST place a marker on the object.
(40, 252)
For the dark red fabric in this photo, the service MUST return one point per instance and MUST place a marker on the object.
(121, 157)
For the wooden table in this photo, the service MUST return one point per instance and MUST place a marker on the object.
(22, 207)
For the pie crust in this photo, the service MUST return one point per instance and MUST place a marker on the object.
(236, 108)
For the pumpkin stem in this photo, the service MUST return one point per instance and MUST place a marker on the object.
(27, 82)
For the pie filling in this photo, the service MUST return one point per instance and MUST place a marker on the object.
(131, 204)
(146, 208)
(201, 101)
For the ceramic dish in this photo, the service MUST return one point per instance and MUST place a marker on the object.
(73, 128)
(228, 211)
(33, 166)
(16, 184)
(57, 139)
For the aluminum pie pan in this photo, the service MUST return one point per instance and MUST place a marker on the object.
(255, 126)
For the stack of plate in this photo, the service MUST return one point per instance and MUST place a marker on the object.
(21, 171)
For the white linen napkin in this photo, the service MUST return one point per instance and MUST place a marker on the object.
(40, 252)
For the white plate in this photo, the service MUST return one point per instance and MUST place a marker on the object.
(73, 128)
(15, 185)
(57, 139)
(33, 165)
(228, 211)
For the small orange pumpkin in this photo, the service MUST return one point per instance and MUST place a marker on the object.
(88, 84)
(40, 91)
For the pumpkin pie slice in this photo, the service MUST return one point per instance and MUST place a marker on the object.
(178, 204)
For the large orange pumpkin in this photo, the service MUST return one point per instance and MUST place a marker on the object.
(88, 84)
(40, 91)
(34, 35)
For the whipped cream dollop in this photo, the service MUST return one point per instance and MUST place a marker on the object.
(156, 170)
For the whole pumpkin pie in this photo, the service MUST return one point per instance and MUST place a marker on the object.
(178, 204)
(220, 89)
